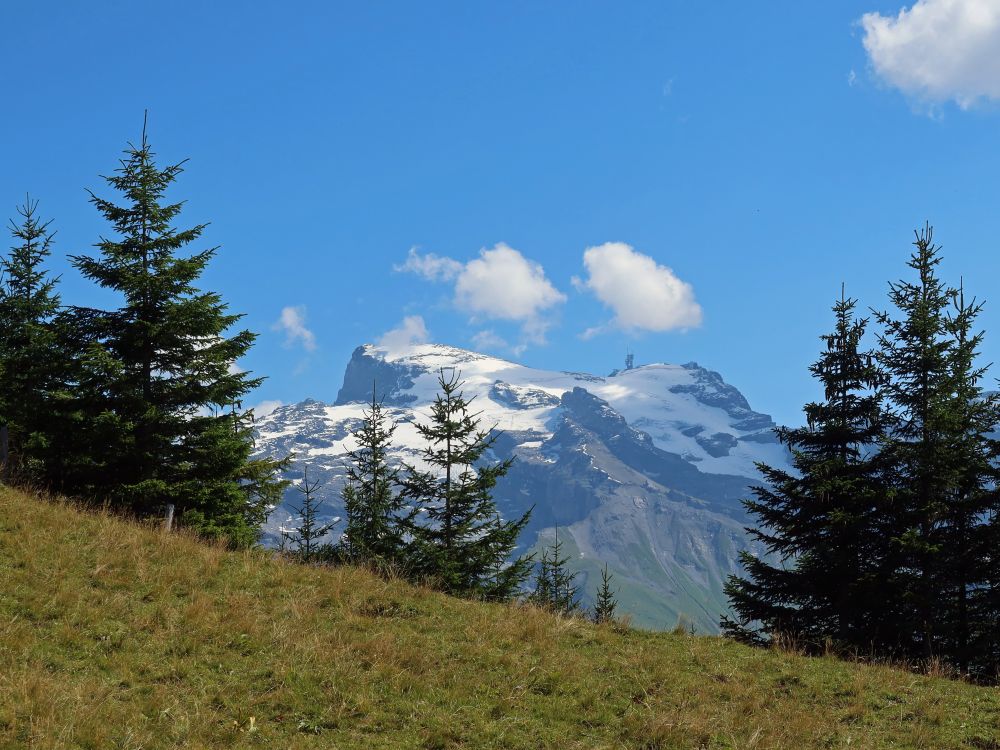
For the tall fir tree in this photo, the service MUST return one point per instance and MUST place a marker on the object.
(163, 413)
(821, 578)
(457, 535)
(374, 533)
(970, 624)
(925, 418)
(31, 362)
(986, 602)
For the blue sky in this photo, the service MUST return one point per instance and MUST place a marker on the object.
(727, 164)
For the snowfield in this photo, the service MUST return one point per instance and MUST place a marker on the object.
(685, 409)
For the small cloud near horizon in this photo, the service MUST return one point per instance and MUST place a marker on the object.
(500, 284)
(488, 340)
(411, 330)
(292, 322)
(266, 407)
(429, 266)
(642, 294)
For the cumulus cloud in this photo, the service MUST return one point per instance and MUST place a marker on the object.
(430, 266)
(488, 339)
(501, 284)
(266, 407)
(642, 294)
(412, 330)
(938, 50)
(292, 322)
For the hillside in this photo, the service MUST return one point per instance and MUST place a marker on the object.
(116, 636)
(643, 469)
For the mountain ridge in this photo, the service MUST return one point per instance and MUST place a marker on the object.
(643, 469)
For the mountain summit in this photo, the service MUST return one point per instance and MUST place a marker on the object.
(643, 469)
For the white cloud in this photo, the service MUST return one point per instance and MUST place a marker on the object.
(293, 323)
(643, 295)
(938, 50)
(501, 284)
(412, 330)
(266, 407)
(432, 267)
(488, 339)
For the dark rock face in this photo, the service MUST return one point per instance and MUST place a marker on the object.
(669, 528)
(389, 380)
(761, 437)
(718, 445)
(519, 397)
(711, 389)
(593, 413)
(587, 413)
(312, 427)
(755, 422)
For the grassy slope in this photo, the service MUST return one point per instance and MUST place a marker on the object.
(117, 636)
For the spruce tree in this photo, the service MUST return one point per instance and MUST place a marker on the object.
(163, 411)
(31, 362)
(305, 539)
(986, 603)
(605, 602)
(457, 535)
(927, 420)
(541, 591)
(967, 544)
(555, 585)
(375, 509)
(820, 524)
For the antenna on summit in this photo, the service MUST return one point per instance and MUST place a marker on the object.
(629, 359)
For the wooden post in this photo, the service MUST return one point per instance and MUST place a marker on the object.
(168, 521)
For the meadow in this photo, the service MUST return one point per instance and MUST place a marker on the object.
(116, 635)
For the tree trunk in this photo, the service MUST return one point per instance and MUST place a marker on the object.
(4, 469)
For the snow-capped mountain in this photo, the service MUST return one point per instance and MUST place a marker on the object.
(643, 469)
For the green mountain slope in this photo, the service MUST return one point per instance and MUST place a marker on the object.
(116, 636)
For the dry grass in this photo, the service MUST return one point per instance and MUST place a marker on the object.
(116, 636)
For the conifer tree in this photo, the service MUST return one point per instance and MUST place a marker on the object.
(944, 461)
(555, 585)
(821, 524)
(305, 539)
(30, 359)
(967, 547)
(986, 603)
(605, 603)
(163, 411)
(541, 591)
(928, 421)
(457, 535)
(375, 509)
